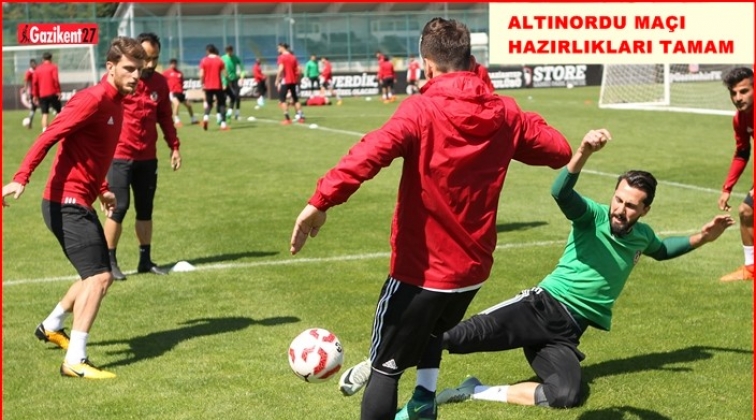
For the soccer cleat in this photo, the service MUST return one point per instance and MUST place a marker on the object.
(204, 125)
(178, 124)
(355, 378)
(744, 272)
(286, 122)
(422, 406)
(461, 393)
(151, 268)
(224, 128)
(116, 272)
(59, 338)
(85, 370)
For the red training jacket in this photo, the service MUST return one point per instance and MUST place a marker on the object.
(45, 80)
(456, 140)
(212, 66)
(386, 70)
(742, 124)
(87, 129)
(257, 72)
(143, 110)
(175, 79)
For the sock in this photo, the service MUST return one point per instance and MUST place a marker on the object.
(144, 255)
(286, 116)
(176, 119)
(77, 348)
(748, 251)
(112, 255)
(193, 118)
(423, 394)
(54, 321)
(427, 378)
(491, 393)
(205, 117)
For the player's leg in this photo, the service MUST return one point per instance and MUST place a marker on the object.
(236, 99)
(44, 107)
(283, 89)
(119, 180)
(175, 109)
(745, 212)
(221, 97)
(183, 100)
(208, 108)
(297, 106)
(144, 184)
(81, 236)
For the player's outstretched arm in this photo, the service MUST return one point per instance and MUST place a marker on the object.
(308, 223)
(14, 188)
(593, 141)
(712, 230)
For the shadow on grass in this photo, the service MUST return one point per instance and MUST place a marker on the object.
(511, 227)
(618, 413)
(225, 257)
(158, 343)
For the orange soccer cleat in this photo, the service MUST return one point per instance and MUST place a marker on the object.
(744, 272)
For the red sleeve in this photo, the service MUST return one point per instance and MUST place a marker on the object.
(483, 73)
(56, 81)
(742, 154)
(35, 85)
(365, 159)
(78, 109)
(165, 118)
(541, 144)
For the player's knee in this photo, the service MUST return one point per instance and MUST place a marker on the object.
(558, 394)
(745, 211)
(119, 213)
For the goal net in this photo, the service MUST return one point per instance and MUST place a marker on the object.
(667, 87)
(76, 69)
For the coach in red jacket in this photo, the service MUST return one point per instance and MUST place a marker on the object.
(456, 140)
(135, 163)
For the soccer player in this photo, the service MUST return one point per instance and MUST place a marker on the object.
(46, 87)
(28, 87)
(175, 79)
(456, 141)
(482, 72)
(312, 73)
(88, 130)
(135, 164)
(234, 71)
(386, 77)
(212, 73)
(327, 80)
(287, 79)
(260, 80)
(547, 321)
(739, 82)
(413, 75)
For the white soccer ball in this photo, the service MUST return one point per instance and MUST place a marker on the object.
(570, 86)
(316, 355)
(313, 126)
(25, 122)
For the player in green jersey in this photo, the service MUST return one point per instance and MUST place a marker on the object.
(547, 321)
(234, 71)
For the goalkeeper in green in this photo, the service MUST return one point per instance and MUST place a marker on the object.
(547, 321)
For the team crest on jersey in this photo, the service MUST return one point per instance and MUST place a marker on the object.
(154, 96)
(636, 258)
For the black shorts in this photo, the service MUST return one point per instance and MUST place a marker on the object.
(262, 87)
(181, 97)
(232, 90)
(141, 177)
(388, 82)
(288, 88)
(314, 82)
(80, 235)
(749, 198)
(216, 94)
(47, 102)
(326, 83)
(405, 319)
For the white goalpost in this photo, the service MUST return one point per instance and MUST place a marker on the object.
(689, 88)
(76, 63)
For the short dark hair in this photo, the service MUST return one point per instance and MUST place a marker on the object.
(284, 45)
(46, 56)
(173, 61)
(641, 180)
(150, 37)
(124, 45)
(229, 48)
(737, 75)
(211, 49)
(447, 43)
(32, 61)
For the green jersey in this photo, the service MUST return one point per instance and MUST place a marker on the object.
(233, 66)
(311, 69)
(595, 264)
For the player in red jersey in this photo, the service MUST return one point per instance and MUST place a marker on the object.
(326, 83)
(413, 75)
(28, 79)
(175, 79)
(456, 140)
(386, 77)
(135, 164)
(260, 81)
(739, 82)
(212, 72)
(287, 79)
(88, 130)
(46, 87)
(482, 72)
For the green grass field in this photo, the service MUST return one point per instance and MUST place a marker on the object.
(212, 344)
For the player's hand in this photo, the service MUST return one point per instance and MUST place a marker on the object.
(712, 230)
(107, 203)
(14, 188)
(595, 140)
(175, 160)
(723, 201)
(308, 223)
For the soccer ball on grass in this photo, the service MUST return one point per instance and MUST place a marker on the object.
(316, 355)
(25, 122)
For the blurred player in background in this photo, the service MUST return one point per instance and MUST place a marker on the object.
(212, 73)
(413, 75)
(28, 79)
(386, 77)
(739, 82)
(326, 77)
(234, 73)
(46, 87)
(287, 81)
(260, 81)
(175, 79)
(312, 73)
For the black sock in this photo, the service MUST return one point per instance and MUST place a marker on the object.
(144, 255)
(380, 397)
(112, 255)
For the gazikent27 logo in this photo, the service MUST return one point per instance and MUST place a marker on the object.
(58, 33)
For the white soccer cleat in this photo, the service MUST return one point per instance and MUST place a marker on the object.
(355, 378)
(461, 393)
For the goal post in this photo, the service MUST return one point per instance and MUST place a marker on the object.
(689, 88)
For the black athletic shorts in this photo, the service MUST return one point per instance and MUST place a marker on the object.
(80, 235)
(288, 88)
(216, 94)
(749, 198)
(405, 318)
(388, 82)
(181, 97)
(47, 102)
(139, 176)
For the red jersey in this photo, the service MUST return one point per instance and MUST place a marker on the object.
(742, 125)
(290, 68)
(482, 72)
(175, 79)
(87, 129)
(257, 72)
(386, 70)
(45, 80)
(327, 73)
(456, 140)
(28, 77)
(413, 71)
(148, 106)
(212, 66)
(316, 100)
